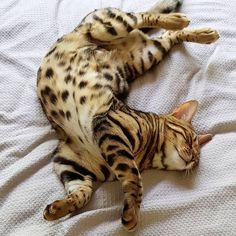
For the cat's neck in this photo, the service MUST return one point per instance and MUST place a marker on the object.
(152, 127)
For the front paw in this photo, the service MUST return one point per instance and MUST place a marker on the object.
(130, 215)
(58, 209)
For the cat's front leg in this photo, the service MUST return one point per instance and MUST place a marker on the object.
(128, 174)
(117, 153)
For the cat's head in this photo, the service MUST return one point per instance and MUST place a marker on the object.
(181, 147)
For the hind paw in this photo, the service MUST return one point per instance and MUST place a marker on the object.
(207, 35)
(174, 21)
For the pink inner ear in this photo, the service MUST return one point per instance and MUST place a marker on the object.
(186, 111)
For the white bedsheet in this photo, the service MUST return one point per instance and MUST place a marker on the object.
(203, 203)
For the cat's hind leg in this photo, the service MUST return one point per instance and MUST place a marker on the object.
(77, 181)
(202, 35)
(139, 53)
(109, 24)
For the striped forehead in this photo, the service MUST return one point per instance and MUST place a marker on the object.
(180, 127)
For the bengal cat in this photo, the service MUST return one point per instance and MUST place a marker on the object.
(102, 139)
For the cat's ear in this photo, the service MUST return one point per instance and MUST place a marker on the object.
(204, 138)
(186, 111)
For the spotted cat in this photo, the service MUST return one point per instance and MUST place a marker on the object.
(80, 82)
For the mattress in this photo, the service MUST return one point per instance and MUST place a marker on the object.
(202, 203)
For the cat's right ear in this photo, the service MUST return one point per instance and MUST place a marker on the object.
(204, 138)
(186, 111)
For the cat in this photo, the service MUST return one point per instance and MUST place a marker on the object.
(79, 84)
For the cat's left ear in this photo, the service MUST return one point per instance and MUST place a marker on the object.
(186, 111)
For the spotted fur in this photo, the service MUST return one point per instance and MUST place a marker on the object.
(102, 139)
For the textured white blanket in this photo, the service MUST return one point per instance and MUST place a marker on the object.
(203, 203)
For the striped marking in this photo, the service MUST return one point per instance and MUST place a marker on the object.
(78, 168)
(122, 167)
(177, 128)
(107, 25)
(159, 46)
(118, 80)
(110, 159)
(120, 19)
(51, 51)
(112, 137)
(125, 153)
(129, 72)
(120, 71)
(68, 115)
(105, 171)
(110, 13)
(67, 176)
(135, 171)
(124, 130)
(132, 17)
(111, 30)
(111, 147)
(163, 155)
(150, 56)
(101, 126)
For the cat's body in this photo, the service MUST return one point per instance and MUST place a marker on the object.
(100, 137)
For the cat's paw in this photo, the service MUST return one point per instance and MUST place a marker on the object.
(130, 216)
(58, 209)
(206, 35)
(174, 21)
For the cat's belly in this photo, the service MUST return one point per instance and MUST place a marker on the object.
(72, 101)
(72, 95)
(80, 110)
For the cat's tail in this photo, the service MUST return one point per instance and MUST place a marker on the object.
(165, 6)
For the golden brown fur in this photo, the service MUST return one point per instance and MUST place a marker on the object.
(101, 138)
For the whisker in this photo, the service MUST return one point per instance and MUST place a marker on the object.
(186, 173)
(191, 171)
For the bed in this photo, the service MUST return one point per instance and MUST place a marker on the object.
(202, 203)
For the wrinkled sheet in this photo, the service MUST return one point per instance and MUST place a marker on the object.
(203, 203)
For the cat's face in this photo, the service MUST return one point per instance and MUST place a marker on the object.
(181, 146)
